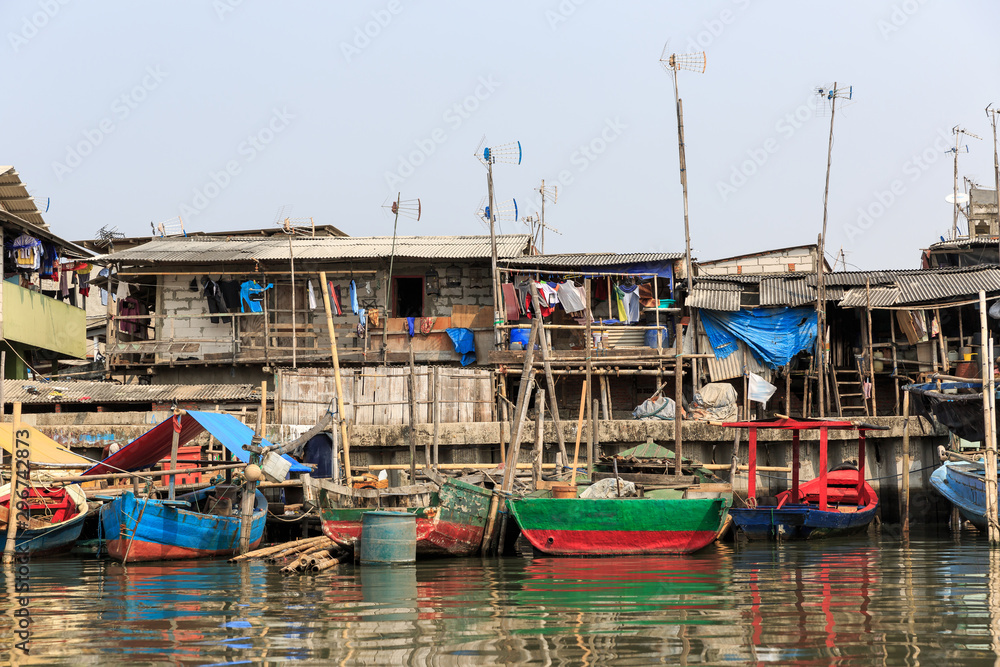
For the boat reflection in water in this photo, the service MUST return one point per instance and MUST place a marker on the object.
(855, 601)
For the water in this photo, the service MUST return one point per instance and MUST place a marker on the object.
(859, 601)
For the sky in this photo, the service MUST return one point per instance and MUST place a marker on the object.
(233, 114)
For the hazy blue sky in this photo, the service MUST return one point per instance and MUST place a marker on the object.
(126, 113)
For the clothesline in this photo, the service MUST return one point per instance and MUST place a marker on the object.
(577, 273)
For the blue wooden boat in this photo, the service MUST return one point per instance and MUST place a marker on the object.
(56, 518)
(200, 524)
(838, 502)
(963, 483)
(847, 512)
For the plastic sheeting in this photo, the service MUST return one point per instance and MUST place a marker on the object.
(610, 488)
(465, 344)
(655, 408)
(774, 335)
(715, 402)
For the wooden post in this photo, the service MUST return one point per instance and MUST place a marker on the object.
(604, 396)
(436, 411)
(539, 437)
(527, 376)
(751, 468)
(291, 260)
(905, 496)
(510, 471)
(550, 382)
(250, 487)
(795, 467)
(505, 416)
(174, 444)
(942, 344)
(591, 436)
(823, 474)
(579, 430)
(989, 420)
(895, 355)
(678, 399)
(413, 421)
(344, 441)
(871, 347)
(15, 481)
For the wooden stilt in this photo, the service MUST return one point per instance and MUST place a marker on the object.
(539, 438)
(20, 451)
(904, 512)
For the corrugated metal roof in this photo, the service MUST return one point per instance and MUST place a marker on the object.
(108, 392)
(928, 286)
(207, 250)
(715, 296)
(15, 199)
(786, 292)
(594, 259)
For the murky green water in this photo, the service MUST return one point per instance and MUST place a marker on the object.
(862, 601)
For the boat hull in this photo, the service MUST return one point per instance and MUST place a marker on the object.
(451, 526)
(618, 526)
(147, 530)
(55, 538)
(964, 486)
(799, 522)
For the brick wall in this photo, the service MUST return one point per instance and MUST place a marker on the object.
(178, 302)
(791, 260)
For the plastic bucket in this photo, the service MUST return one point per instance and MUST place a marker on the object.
(651, 337)
(388, 538)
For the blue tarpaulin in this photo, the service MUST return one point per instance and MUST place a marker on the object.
(154, 445)
(465, 344)
(774, 335)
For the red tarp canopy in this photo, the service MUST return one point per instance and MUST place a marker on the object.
(802, 424)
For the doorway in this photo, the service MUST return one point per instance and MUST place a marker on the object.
(408, 296)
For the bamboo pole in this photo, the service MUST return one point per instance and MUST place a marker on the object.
(457, 466)
(250, 486)
(579, 431)
(871, 347)
(76, 479)
(436, 412)
(413, 420)
(291, 260)
(905, 510)
(277, 548)
(15, 482)
(550, 381)
(510, 471)
(539, 437)
(174, 445)
(993, 529)
(678, 398)
(591, 435)
(345, 442)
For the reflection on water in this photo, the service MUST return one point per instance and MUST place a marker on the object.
(860, 601)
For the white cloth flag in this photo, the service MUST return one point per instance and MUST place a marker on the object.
(760, 389)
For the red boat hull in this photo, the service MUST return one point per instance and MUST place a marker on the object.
(434, 537)
(617, 542)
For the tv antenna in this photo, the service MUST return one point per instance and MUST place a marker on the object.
(408, 208)
(958, 148)
(41, 203)
(171, 227)
(506, 211)
(829, 94)
(546, 192)
(107, 237)
(992, 114)
(489, 155)
(674, 63)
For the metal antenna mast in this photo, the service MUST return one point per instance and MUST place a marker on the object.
(832, 94)
(551, 191)
(958, 132)
(674, 63)
(992, 114)
(511, 154)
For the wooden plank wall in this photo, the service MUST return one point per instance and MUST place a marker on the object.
(380, 395)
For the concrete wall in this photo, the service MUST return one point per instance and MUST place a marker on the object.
(780, 261)
(178, 301)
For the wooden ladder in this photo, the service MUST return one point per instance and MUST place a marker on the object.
(850, 389)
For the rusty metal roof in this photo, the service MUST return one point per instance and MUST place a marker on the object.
(584, 259)
(207, 250)
(59, 391)
(928, 287)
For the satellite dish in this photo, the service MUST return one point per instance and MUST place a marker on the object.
(962, 198)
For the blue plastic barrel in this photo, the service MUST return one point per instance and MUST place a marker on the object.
(388, 537)
(651, 337)
(520, 336)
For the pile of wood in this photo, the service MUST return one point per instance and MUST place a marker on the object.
(311, 555)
